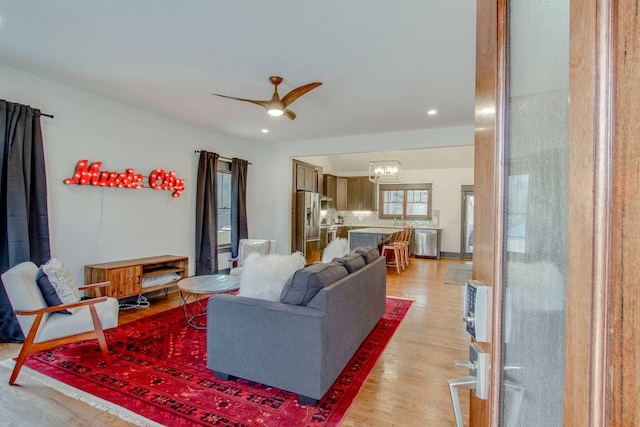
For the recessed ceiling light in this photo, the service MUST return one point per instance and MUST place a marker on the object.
(432, 112)
(265, 131)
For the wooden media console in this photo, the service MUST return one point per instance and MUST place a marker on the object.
(127, 276)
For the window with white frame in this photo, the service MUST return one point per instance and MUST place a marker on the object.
(223, 182)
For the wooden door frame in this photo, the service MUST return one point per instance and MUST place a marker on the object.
(590, 164)
(489, 188)
(604, 222)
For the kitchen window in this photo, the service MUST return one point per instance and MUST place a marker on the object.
(408, 201)
(223, 182)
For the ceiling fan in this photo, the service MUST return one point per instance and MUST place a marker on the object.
(276, 106)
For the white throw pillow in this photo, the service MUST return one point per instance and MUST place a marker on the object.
(263, 277)
(337, 248)
(62, 281)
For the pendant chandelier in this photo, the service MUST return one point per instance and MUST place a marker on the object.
(381, 171)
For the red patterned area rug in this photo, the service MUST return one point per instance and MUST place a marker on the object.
(159, 372)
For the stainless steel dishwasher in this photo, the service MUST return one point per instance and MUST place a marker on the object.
(426, 243)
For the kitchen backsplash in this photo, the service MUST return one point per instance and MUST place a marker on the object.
(371, 219)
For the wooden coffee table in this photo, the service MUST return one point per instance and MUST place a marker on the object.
(195, 290)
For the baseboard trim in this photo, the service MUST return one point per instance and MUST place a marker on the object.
(453, 255)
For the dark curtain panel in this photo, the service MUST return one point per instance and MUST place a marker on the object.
(207, 214)
(24, 223)
(239, 229)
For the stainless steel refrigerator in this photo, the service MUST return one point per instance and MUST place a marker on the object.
(308, 225)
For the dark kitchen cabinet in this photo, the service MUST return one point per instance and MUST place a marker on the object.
(341, 193)
(323, 240)
(306, 177)
(355, 193)
(330, 189)
(343, 231)
(361, 194)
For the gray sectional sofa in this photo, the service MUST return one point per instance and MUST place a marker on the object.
(302, 343)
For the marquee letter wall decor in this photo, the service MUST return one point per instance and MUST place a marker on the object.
(90, 174)
(161, 180)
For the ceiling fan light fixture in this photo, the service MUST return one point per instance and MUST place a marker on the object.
(275, 107)
(275, 111)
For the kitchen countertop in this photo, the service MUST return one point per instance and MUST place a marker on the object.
(376, 230)
(392, 227)
(368, 226)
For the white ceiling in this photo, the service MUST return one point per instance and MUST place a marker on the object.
(430, 158)
(382, 64)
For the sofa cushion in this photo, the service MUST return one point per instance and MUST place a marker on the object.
(306, 283)
(57, 284)
(263, 277)
(369, 253)
(352, 262)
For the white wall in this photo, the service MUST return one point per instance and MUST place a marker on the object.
(446, 198)
(273, 195)
(90, 224)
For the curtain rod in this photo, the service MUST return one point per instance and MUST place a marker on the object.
(46, 115)
(226, 159)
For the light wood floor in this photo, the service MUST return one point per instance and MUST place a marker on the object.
(407, 387)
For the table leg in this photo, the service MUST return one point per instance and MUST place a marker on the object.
(193, 308)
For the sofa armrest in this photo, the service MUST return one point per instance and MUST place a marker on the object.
(268, 342)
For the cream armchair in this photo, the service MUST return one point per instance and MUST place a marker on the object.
(43, 327)
(247, 247)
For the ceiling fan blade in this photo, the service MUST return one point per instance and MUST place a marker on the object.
(289, 113)
(298, 92)
(253, 101)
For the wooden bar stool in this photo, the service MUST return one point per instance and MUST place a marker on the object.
(392, 251)
(406, 243)
(403, 242)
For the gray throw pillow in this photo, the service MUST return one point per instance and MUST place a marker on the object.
(369, 253)
(306, 283)
(352, 262)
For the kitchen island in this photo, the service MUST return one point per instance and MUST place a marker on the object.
(371, 236)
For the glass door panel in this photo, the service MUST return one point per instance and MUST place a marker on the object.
(536, 138)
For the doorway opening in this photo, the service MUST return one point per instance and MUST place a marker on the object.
(466, 233)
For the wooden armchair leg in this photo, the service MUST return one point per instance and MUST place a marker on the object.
(26, 349)
(19, 362)
(102, 342)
